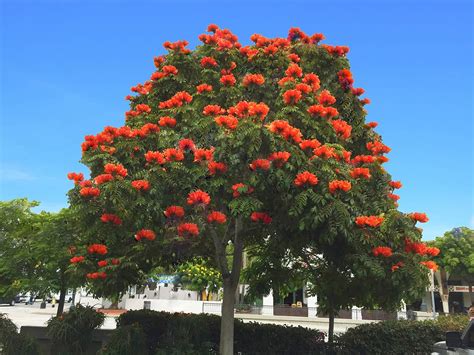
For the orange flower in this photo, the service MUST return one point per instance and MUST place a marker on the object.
(174, 212)
(384, 251)
(371, 221)
(228, 80)
(76, 177)
(377, 147)
(100, 249)
(256, 79)
(141, 185)
(89, 192)
(103, 178)
(395, 184)
(213, 110)
(419, 217)
(208, 62)
(198, 197)
(241, 188)
(342, 128)
(372, 124)
(112, 218)
(312, 80)
(279, 158)
(360, 172)
(430, 265)
(167, 121)
(177, 100)
(186, 144)
(145, 234)
(188, 229)
(229, 122)
(393, 197)
(76, 259)
(115, 169)
(339, 185)
(363, 159)
(305, 178)
(309, 144)
(215, 167)
(170, 70)
(204, 88)
(102, 263)
(172, 154)
(294, 70)
(261, 217)
(397, 266)
(326, 99)
(325, 152)
(216, 217)
(154, 157)
(260, 164)
(291, 97)
(203, 154)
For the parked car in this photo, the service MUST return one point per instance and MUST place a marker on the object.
(10, 300)
(457, 342)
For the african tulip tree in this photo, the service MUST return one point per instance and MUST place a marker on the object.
(224, 145)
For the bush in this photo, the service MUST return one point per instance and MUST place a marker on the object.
(452, 322)
(12, 343)
(126, 340)
(71, 332)
(181, 333)
(392, 337)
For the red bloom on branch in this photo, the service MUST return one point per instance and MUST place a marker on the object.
(309, 144)
(228, 80)
(100, 249)
(216, 217)
(397, 266)
(172, 154)
(345, 78)
(430, 265)
(167, 121)
(154, 157)
(111, 218)
(208, 62)
(174, 212)
(143, 108)
(241, 188)
(395, 184)
(261, 110)
(393, 197)
(103, 178)
(216, 167)
(102, 263)
(294, 70)
(229, 122)
(357, 91)
(198, 197)
(305, 179)
(291, 97)
(76, 259)
(115, 261)
(372, 124)
(360, 173)
(115, 169)
(170, 70)
(339, 185)
(260, 164)
(279, 158)
(294, 57)
(384, 251)
(363, 159)
(342, 128)
(325, 152)
(326, 99)
(177, 100)
(89, 192)
(76, 177)
(261, 217)
(141, 185)
(433, 251)
(145, 234)
(419, 217)
(377, 147)
(186, 144)
(204, 88)
(304, 88)
(371, 221)
(203, 154)
(96, 275)
(85, 183)
(188, 229)
(255, 79)
(312, 80)
(213, 110)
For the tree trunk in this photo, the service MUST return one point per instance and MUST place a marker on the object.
(226, 346)
(331, 326)
(62, 298)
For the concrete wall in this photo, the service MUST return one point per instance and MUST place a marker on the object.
(169, 305)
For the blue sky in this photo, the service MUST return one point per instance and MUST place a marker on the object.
(66, 67)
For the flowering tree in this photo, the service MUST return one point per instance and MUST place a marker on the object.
(198, 275)
(227, 146)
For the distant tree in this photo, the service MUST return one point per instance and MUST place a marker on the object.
(199, 275)
(456, 258)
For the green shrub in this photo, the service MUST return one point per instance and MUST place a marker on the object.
(12, 343)
(71, 332)
(392, 337)
(181, 333)
(126, 340)
(452, 322)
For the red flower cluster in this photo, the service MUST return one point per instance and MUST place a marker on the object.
(228, 80)
(393, 197)
(325, 152)
(345, 78)
(312, 80)
(178, 46)
(244, 109)
(229, 122)
(430, 265)
(198, 197)
(142, 89)
(89, 192)
(141, 185)
(305, 179)
(96, 275)
(363, 159)
(260, 164)
(188, 229)
(326, 99)
(177, 100)
(309, 144)
(115, 261)
(342, 128)
(419, 217)
(241, 188)
(292, 97)
(371, 221)
(255, 79)
(338, 51)
(397, 266)
(76, 177)
(295, 58)
(261, 217)
(146, 129)
(279, 158)
(287, 131)
(208, 62)
(170, 70)
(339, 185)
(111, 218)
(145, 234)
(372, 124)
(139, 109)
(294, 70)
(172, 154)
(186, 144)
(216, 217)
(203, 154)
(325, 112)
(222, 39)
(97, 249)
(384, 251)
(420, 248)
(295, 34)
(204, 88)
(377, 147)
(102, 263)
(213, 110)
(216, 167)
(115, 169)
(357, 91)
(167, 121)
(360, 173)
(76, 259)
(154, 157)
(395, 184)
(174, 212)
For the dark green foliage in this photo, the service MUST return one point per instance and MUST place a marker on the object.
(452, 322)
(12, 343)
(71, 332)
(126, 340)
(180, 333)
